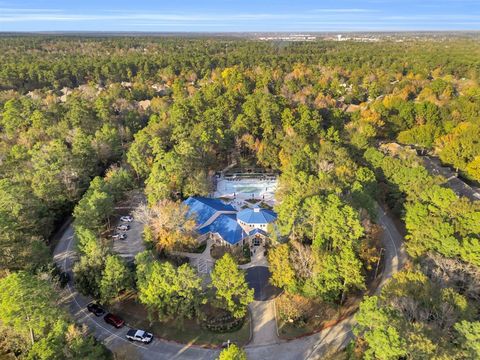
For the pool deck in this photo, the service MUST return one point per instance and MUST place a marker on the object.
(240, 190)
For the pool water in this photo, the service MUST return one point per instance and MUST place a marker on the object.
(246, 188)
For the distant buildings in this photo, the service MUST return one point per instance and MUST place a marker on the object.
(340, 37)
(291, 37)
(328, 37)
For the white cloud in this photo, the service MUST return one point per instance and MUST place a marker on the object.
(246, 17)
(61, 16)
(37, 15)
(432, 17)
(320, 19)
(25, 10)
(346, 10)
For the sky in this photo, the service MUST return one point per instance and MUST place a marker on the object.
(239, 15)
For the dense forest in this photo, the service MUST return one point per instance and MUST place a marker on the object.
(82, 120)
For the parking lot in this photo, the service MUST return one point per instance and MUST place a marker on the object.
(133, 244)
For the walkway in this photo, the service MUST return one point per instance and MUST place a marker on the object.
(203, 262)
(258, 259)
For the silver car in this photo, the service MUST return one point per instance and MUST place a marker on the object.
(123, 227)
(119, 236)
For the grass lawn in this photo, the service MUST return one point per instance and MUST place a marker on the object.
(135, 315)
(317, 314)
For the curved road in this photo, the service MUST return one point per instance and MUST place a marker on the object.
(309, 347)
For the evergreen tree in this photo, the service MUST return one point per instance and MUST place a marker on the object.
(116, 278)
(231, 289)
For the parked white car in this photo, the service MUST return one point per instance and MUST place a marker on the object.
(127, 218)
(139, 335)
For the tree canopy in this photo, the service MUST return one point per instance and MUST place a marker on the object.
(84, 119)
(231, 289)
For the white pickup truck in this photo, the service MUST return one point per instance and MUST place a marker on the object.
(139, 335)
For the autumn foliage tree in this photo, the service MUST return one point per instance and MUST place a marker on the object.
(169, 223)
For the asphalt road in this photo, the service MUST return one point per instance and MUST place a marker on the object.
(114, 339)
(310, 347)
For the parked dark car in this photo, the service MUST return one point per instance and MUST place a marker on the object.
(96, 309)
(63, 279)
(114, 320)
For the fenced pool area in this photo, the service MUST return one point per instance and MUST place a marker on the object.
(244, 187)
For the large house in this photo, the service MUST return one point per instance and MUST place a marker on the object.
(227, 226)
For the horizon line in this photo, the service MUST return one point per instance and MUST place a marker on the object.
(237, 32)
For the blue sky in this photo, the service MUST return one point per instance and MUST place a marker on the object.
(239, 15)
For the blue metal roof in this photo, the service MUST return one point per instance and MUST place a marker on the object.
(257, 231)
(257, 216)
(227, 227)
(204, 208)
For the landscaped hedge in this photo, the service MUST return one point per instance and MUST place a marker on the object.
(225, 323)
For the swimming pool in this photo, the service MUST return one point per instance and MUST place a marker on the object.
(247, 188)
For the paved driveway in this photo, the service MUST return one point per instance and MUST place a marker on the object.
(264, 323)
(258, 279)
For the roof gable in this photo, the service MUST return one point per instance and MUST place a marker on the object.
(257, 231)
(227, 227)
(257, 216)
(203, 208)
